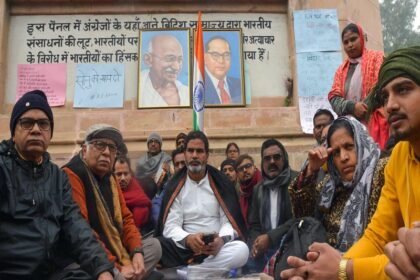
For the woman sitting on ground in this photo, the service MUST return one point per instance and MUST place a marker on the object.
(346, 198)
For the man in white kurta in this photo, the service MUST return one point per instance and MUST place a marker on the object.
(195, 211)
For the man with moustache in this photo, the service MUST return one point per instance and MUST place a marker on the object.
(271, 205)
(134, 195)
(321, 119)
(37, 212)
(228, 168)
(249, 176)
(220, 88)
(153, 169)
(389, 246)
(200, 200)
(180, 140)
(102, 204)
(159, 86)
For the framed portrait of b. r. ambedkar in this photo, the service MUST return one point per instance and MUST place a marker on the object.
(223, 59)
(164, 68)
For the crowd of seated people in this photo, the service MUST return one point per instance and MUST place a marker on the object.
(99, 217)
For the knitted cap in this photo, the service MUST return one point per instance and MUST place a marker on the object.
(156, 136)
(227, 161)
(35, 99)
(102, 130)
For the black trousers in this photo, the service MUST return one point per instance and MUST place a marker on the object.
(173, 256)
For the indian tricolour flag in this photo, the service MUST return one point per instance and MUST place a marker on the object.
(198, 93)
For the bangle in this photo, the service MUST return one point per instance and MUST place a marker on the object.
(342, 272)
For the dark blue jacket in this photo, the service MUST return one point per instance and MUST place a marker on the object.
(38, 216)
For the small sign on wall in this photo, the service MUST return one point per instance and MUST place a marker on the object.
(99, 86)
(50, 78)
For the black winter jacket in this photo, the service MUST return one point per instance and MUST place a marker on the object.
(37, 215)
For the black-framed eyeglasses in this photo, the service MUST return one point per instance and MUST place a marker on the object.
(28, 123)
(218, 56)
(101, 146)
(170, 58)
(244, 167)
(275, 157)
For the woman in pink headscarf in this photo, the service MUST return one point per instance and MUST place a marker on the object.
(354, 80)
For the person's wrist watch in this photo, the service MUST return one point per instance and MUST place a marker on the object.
(226, 238)
(136, 251)
(342, 270)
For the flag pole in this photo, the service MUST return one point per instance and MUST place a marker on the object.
(198, 92)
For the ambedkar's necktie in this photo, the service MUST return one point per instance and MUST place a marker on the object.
(223, 93)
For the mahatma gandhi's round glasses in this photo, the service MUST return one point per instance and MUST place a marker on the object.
(101, 146)
(169, 58)
(219, 56)
(28, 123)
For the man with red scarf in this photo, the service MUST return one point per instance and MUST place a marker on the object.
(248, 176)
(135, 198)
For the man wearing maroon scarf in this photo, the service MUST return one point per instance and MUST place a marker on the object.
(135, 198)
(248, 176)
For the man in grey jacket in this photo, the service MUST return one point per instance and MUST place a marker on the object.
(37, 212)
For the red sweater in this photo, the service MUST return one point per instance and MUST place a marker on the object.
(138, 202)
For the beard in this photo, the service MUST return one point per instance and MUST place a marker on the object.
(195, 169)
(400, 135)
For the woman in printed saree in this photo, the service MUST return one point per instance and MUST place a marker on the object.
(346, 198)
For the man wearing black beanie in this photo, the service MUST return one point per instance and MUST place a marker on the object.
(37, 212)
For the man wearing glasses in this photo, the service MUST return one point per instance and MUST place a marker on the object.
(249, 176)
(37, 213)
(220, 88)
(159, 85)
(271, 206)
(102, 204)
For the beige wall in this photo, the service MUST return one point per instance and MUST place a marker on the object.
(265, 117)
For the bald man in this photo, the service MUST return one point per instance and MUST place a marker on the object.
(159, 86)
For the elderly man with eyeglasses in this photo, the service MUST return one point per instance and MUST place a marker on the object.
(102, 204)
(37, 213)
(219, 87)
(159, 84)
(271, 206)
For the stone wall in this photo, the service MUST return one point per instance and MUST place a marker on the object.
(249, 127)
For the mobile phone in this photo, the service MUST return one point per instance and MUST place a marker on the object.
(208, 238)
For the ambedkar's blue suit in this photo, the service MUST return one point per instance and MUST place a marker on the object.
(234, 85)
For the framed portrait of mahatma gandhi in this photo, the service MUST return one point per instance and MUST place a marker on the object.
(223, 59)
(164, 68)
